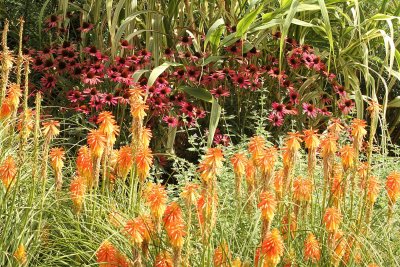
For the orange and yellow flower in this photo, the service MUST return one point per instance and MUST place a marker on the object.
(57, 157)
(311, 139)
(13, 95)
(124, 161)
(50, 129)
(190, 193)
(222, 255)
(335, 127)
(267, 205)
(143, 161)
(272, 248)
(108, 126)
(156, 198)
(239, 161)
(256, 146)
(347, 154)
(211, 164)
(20, 254)
(138, 110)
(8, 171)
(332, 219)
(108, 256)
(163, 260)
(358, 131)
(78, 190)
(146, 136)
(312, 250)
(137, 231)
(373, 189)
(97, 142)
(84, 164)
(393, 186)
(5, 109)
(293, 141)
(302, 189)
(328, 145)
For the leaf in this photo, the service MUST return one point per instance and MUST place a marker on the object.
(195, 43)
(158, 70)
(198, 92)
(40, 20)
(308, 7)
(130, 36)
(171, 140)
(383, 17)
(136, 76)
(127, 21)
(397, 56)
(211, 36)
(395, 103)
(246, 21)
(228, 40)
(328, 29)
(285, 29)
(211, 59)
(214, 119)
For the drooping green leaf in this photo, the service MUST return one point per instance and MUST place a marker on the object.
(327, 26)
(198, 92)
(136, 76)
(214, 33)
(383, 17)
(246, 21)
(214, 119)
(395, 103)
(285, 29)
(127, 21)
(158, 70)
(40, 20)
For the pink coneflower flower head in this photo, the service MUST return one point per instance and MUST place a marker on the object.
(186, 40)
(85, 27)
(290, 109)
(310, 110)
(220, 91)
(125, 44)
(346, 106)
(168, 52)
(110, 99)
(52, 21)
(279, 108)
(324, 111)
(294, 96)
(275, 119)
(91, 78)
(171, 121)
(48, 81)
(75, 96)
(241, 81)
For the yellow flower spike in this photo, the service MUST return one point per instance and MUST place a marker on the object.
(97, 142)
(143, 160)
(50, 129)
(77, 191)
(332, 219)
(347, 155)
(20, 254)
(8, 171)
(312, 250)
(272, 248)
(124, 161)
